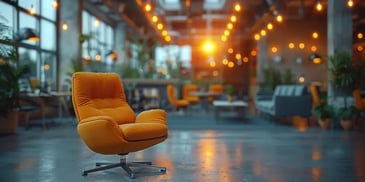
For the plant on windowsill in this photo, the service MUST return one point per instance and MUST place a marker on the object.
(324, 113)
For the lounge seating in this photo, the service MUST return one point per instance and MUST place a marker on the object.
(287, 100)
(187, 89)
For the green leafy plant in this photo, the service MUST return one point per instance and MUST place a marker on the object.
(228, 89)
(347, 113)
(323, 110)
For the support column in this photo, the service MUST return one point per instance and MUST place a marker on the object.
(69, 44)
(262, 59)
(339, 33)
(120, 45)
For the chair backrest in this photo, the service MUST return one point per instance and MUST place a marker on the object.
(216, 88)
(100, 94)
(34, 83)
(315, 94)
(356, 93)
(170, 90)
(187, 88)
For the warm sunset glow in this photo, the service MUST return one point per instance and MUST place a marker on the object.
(319, 6)
(315, 35)
(208, 46)
(233, 18)
(291, 45)
(154, 18)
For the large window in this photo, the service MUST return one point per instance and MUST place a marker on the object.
(40, 16)
(99, 44)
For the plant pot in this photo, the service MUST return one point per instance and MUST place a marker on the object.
(9, 123)
(230, 98)
(346, 124)
(325, 123)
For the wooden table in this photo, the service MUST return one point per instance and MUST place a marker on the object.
(223, 105)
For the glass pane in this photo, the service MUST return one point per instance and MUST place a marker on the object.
(29, 57)
(30, 4)
(6, 18)
(48, 35)
(48, 11)
(85, 22)
(48, 70)
(27, 21)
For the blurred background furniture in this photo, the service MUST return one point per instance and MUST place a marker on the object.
(178, 104)
(108, 125)
(187, 89)
(216, 88)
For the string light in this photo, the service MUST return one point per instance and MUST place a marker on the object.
(54, 4)
(350, 3)
(32, 10)
(319, 6)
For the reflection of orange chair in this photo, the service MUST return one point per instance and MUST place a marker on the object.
(187, 89)
(359, 101)
(108, 125)
(216, 88)
(177, 103)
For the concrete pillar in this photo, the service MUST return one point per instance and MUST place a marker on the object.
(262, 59)
(339, 32)
(69, 44)
(120, 47)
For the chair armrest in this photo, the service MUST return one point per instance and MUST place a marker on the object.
(152, 116)
(100, 133)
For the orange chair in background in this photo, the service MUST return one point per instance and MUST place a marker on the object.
(216, 88)
(187, 89)
(359, 101)
(316, 99)
(174, 101)
(109, 126)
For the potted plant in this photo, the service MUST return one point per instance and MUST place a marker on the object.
(347, 116)
(324, 113)
(228, 89)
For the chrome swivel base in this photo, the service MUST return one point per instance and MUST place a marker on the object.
(126, 166)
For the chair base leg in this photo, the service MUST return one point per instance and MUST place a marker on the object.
(125, 165)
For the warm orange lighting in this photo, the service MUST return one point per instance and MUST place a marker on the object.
(54, 4)
(350, 3)
(230, 64)
(257, 37)
(212, 64)
(314, 48)
(317, 60)
(238, 56)
(148, 7)
(274, 49)
(319, 6)
(245, 59)
(360, 35)
(226, 32)
(253, 53)
(230, 50)
(87, 58)
(64, 26)
(32, 10)
(301, 79)
(279, 18)
(160, 26)
(208, 46)
(167, 38)
(291, 45)
(96, 23)
(46, 66)
(215, 73)
(263, 33)
(230, 26)
(360, 48)
(270, 26)
(97, 57)
(315, 35)
(225, 61)
(223, 38)
(301, 45)
(233, 18)
(164, 33)
(154, 18)
(237, 7)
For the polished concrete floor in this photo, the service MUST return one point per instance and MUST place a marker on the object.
(199, 148)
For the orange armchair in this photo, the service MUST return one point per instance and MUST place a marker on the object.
(359, 101)
(187, 88)
(216, 88)
(174, 101)
(108, 125)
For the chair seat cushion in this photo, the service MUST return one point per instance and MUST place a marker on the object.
(143, 131)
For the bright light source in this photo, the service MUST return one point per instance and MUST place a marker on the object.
(208, 46)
